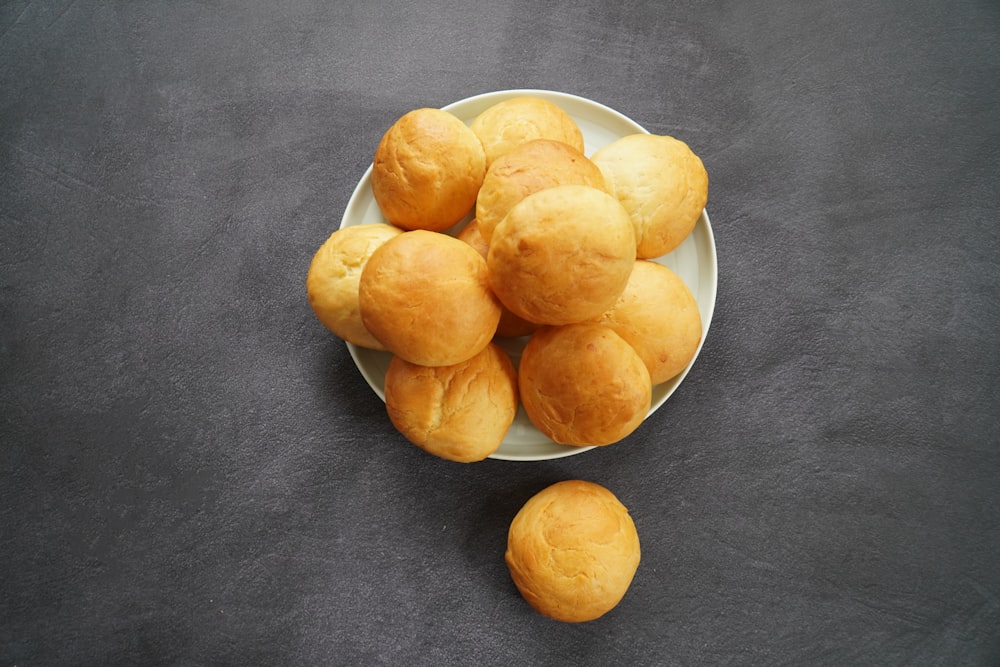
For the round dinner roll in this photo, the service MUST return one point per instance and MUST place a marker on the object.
(427, 170)
(561, 255)
(333, 277)
(460, 412)
(426, 297)
(573, 551)
(511, 122)
(510, 326)
(658, 316)
(528, 168)
(582, 384)
(662, 184)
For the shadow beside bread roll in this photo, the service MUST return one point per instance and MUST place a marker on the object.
(426, 297)
(658, 316)
(460, 412)
(333, 277)
(582, 384)
(427, 170)
(572, 551)
(561, 255)
(662, 184)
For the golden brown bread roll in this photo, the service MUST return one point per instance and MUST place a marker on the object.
(528, 168)
(514, 121)
(510, 326)
(662, 184)
(658, 316)
(573, 551)
(426, 297)
(582, 384)
(427, 170)
(333, 277)
(563, 254)
(460, 412)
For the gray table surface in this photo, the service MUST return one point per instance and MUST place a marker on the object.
(192, 470)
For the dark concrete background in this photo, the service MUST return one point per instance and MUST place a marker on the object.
(192, 471)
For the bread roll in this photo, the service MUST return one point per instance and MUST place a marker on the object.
(333, 277)
(510, 326)
(460, 412)
(427, 170)
(573, 551)
(528, 168)
(514, 121)
(582, 384)
(658, 316)
(426, 297)
(561, 255)
(662, 184)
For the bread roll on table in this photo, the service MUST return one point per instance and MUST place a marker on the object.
(582, 384)
(334, 275)
(460, 412)
(561, 255)
(509, 123)
(658, 316)
(427, 170)
(426, 297)
(526, 169)
(573, 551)
(662, 184)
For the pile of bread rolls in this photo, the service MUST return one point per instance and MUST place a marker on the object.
(504, 228)
(556, 251)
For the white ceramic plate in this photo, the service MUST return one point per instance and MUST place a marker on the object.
(694, 261)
